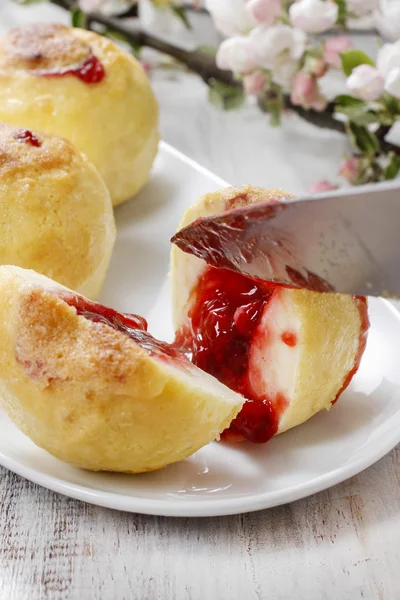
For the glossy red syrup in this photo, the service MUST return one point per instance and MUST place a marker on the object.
(223, 319)
(90, 71)
(363, 310)
(289, 338)
(131, 325)
(26, 136)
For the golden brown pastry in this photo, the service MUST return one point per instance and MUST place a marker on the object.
(290, 352)
(82, 86)
(91, 387)
(56, 212)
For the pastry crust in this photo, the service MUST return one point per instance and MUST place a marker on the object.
(89, 394)
(56, 212)
(113, 121)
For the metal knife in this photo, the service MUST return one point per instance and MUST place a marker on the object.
(347, 241)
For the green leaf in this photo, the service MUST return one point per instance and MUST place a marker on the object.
(393, 167)
(342, 14)
(78, 18)
(392, 104)
(344, 101)
(363, 139)
(274, 109)
(180, 12)
(356, 110)
(352, 59)
(226, 97)
(361, 117)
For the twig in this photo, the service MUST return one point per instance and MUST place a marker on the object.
(204, 65)
(197, 61)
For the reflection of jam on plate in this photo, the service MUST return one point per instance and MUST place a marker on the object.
(90, 71)
(131, 325)
(26, 136)
(223, 319)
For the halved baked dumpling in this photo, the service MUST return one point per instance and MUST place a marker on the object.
(93, 388)
(290, 352)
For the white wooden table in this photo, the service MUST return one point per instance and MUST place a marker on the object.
(337, 545)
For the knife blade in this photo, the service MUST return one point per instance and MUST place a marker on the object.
(347, 241)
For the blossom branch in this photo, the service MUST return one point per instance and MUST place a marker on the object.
(267, 53)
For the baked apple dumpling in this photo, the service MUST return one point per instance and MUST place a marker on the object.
(82, 86)
(289, 352)
(56, 212)
(93, 388)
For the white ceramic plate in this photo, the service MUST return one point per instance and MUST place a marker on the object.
(222, 479)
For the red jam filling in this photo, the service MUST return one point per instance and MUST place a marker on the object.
(223, 319)
(90, 71)
(289, 338)
(26, 136)
(131, 325)
(224, 316)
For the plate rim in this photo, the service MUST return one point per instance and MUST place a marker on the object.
(220, 506)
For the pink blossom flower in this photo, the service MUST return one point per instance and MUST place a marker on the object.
(350, 169)
(254, 84)
(333, 49)
(320, 103)
(306, 93)
(321, 186)
(264, 11)
(303, 89)
(146, 66)
(316, 66)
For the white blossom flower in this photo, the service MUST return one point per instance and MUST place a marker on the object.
(237, 54)
(392, 83)
(388, 58)
(279, 49)
(387, 19)
(313, 16)
(231, 17)
(366, 83)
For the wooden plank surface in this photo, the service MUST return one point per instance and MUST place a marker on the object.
(337, 545)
